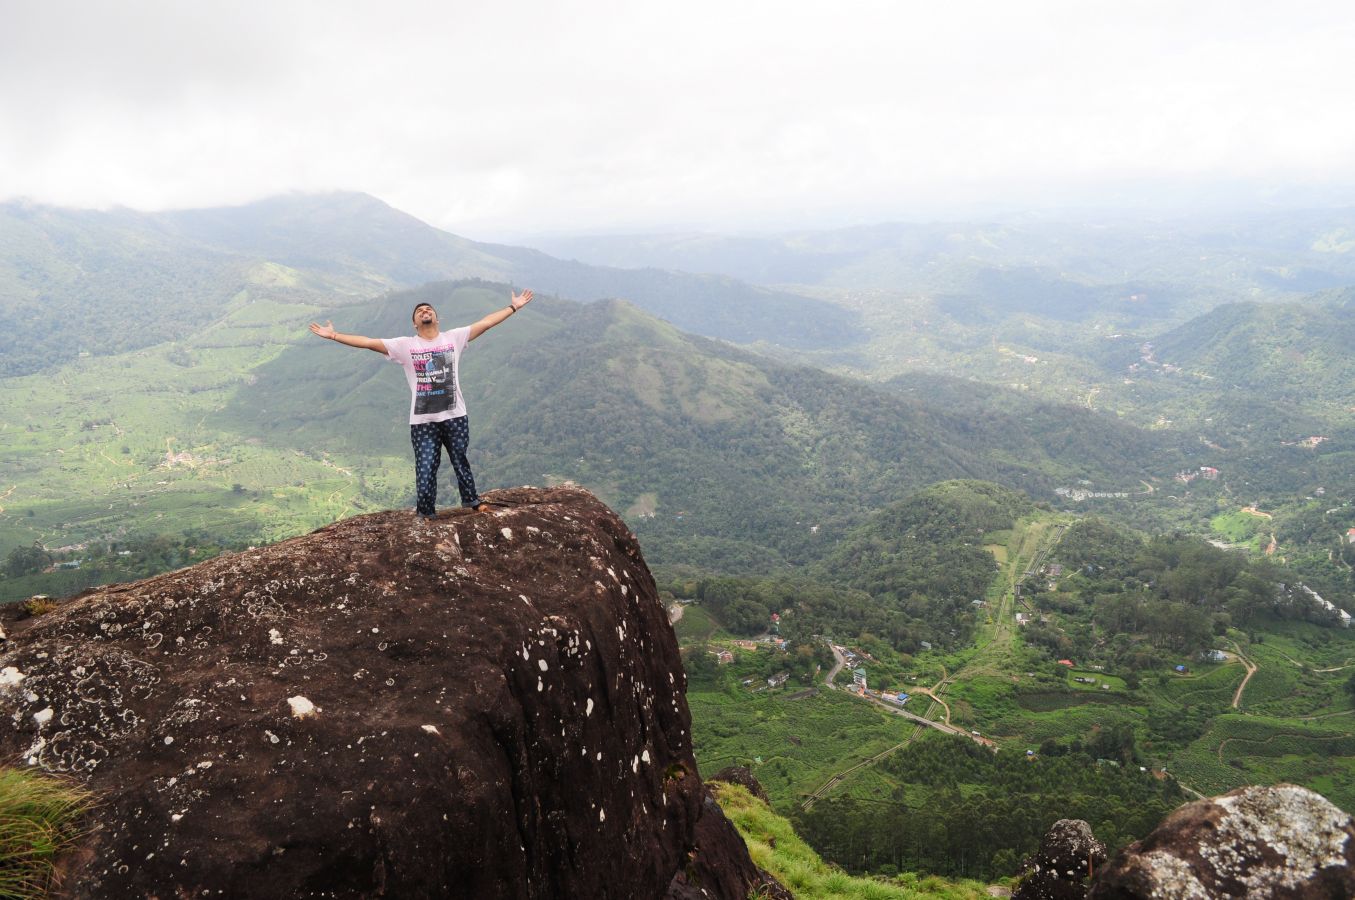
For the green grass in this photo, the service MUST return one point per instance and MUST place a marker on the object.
(1238, 527)
(86, 457)
(1247, 749)
(38, 819)
(775, 847)
(1209, 686)
(697, 625)
(792, 746)
(1316, 645)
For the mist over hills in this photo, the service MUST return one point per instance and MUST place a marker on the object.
(135, 279)
(1286, 251)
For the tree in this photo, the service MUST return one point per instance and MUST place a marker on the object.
(700, 664)
(746, 617)
(27, 560)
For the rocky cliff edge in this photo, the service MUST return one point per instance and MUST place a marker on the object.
(485, 705)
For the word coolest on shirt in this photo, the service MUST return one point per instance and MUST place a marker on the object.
(432, 370)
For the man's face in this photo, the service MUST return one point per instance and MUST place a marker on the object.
(425, 315)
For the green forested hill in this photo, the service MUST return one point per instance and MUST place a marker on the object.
(1297, 353)
(717, 455)
(252, 429)
(106, 282)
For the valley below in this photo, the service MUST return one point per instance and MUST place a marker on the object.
(966, 527)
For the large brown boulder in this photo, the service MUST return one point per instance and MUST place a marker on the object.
(1069, 855)
(744, 777)
(1256, 842)
(487, 705)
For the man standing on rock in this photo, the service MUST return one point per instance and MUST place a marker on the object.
(437, 412)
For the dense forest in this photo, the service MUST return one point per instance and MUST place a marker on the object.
(908, 575)
(1134, 604)
(962, 810)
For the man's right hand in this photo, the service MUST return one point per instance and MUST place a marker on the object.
(325, 331)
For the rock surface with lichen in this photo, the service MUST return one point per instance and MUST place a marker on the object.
(485, 705)
(1068, 857)
(1260, 843)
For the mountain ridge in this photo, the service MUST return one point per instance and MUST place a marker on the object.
(139, 278)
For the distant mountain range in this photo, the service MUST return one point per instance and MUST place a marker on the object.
(103, 282)
(723, 456)
(1287, 252)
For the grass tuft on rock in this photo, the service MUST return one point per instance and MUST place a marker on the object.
(39, 817)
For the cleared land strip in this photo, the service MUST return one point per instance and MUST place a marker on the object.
(998, 643)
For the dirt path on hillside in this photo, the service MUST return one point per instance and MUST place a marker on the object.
(944, 706)
(1344, 712)
(1279, 734)
(1251, 670)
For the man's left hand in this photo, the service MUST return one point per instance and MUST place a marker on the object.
(521, 300)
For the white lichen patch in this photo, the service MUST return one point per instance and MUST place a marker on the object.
(1304, 829)
(10, 678)
(274, 636)
(431, 729)
(1173, 879)
(542, 664)
(43, 716)
(588, 711)
(301, 707)
(507, 533)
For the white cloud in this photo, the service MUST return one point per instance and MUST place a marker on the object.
(500, 118)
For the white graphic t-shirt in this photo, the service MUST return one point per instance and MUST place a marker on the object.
(432, 369)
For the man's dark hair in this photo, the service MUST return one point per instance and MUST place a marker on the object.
(419, 307)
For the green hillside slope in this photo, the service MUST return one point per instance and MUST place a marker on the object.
(106, 282)
(717, 454)
(775, 847)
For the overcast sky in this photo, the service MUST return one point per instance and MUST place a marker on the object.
(500, 119)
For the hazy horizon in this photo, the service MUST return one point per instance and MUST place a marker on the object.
(533, 119)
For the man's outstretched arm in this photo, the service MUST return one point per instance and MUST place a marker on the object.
(494, 318)
(353, 340)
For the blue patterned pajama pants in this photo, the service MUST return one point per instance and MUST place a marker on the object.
(428, 439)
